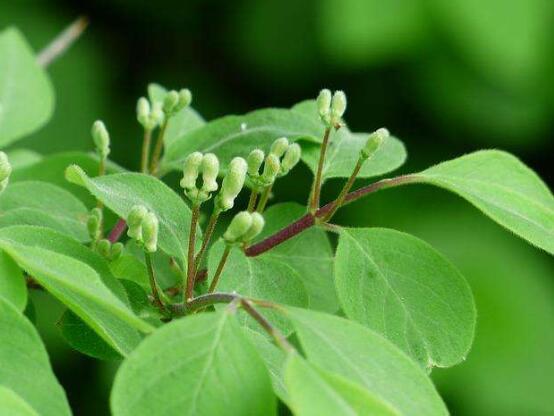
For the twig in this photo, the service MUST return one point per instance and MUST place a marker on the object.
(219, 270)
(344, 191)
(207, 237)
(62, 42)
(316, 189)
(153, 285)
(117, 230)
(191, 269)
(158, 147)
(252, 201)
(264, 198)
(147, 139)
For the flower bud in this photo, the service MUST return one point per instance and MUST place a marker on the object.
(240, 224)
(232, 184)
(272, 166)
(101, 138)
(324, 103)
(338, 105)
(255, 228)
(143, 111)
(134, 221)
(5, 166)
(374, 142)
(170, 102)
(279, 146)
(156, 114)
(185, 98)
(104, 248)
(254, 161)
(210, 170)
(150, 226)
(191, 170)
(116, 251)
(291, 158)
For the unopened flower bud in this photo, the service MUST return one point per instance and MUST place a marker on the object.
(210, 170)
(134, 221)
(101, 138)
(191, 170)
(338, 105)
(116, 251)
(324, 103)
(279, 146)
(185, 98)
(232, 184)
(104, 248)
(255, 160)
(143, 111)
(374, 142)
(156, 114)
(5, 166)
(150, 226)
(272, 166)
(94, 224)
(255, 228)
(291, 158)
(240, 224)
(170, 102)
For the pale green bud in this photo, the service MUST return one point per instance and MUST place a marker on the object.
(272, 166)
(191, 170)
(185, 98)
(104, 248)
(240, 224)
(279, 146)
(338, 105)
(170, 102)
(291, 158)
(116, 251)
(143, 112)
(5, 166)
(96, 212)
(324, 103)
(150, 227)
(134, 221)
(255, 228)
(210, 170)
(93, 227)
(232, 184)
(374, 142)
(157, 114)
(254, 161)
(101, 138)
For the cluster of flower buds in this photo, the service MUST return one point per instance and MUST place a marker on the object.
(143, 227)
(281, 159)
(109, 251)
(232, 184)
(149, 115)
(101, 139)
(175, 101)
(331, 108)
(197, 164)
(5, 171)
(374, 142)
(244, 227)
(94, 224)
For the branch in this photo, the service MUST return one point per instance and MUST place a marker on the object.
(62, 42)
(309, 220)
(117, 230)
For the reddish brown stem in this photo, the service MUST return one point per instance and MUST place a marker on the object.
(117, 231)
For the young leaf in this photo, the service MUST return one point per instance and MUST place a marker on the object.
(232, 136)
(12, 404)
(121, 191)
(26, 95)
(181, 123)
(198, 365)
(364, 357)
(402, 288)
(315, 393)
(20, 158)
(310, 254)
(25, 366)
(12, 283)
(260, 277)
(31, 202)
(503, 188)
(344, 151)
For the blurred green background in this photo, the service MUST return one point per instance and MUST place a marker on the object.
(446, 76)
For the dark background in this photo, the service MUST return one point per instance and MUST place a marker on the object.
(446, 76)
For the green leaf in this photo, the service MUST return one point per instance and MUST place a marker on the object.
(310, 254)
(26, 95)
(198, 365)
(32, 201)
(232, 136)
(260, 277)
(79, 278)
(402, 288)
(121, 191)
(52, 168)
(362, 356)
(181, 123)
(503, 188)
(12, 282)
(25, 365)
(344, 150)
(13, 405)
(315, 393)
(20, 158)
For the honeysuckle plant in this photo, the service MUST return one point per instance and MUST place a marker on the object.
(214, 299)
